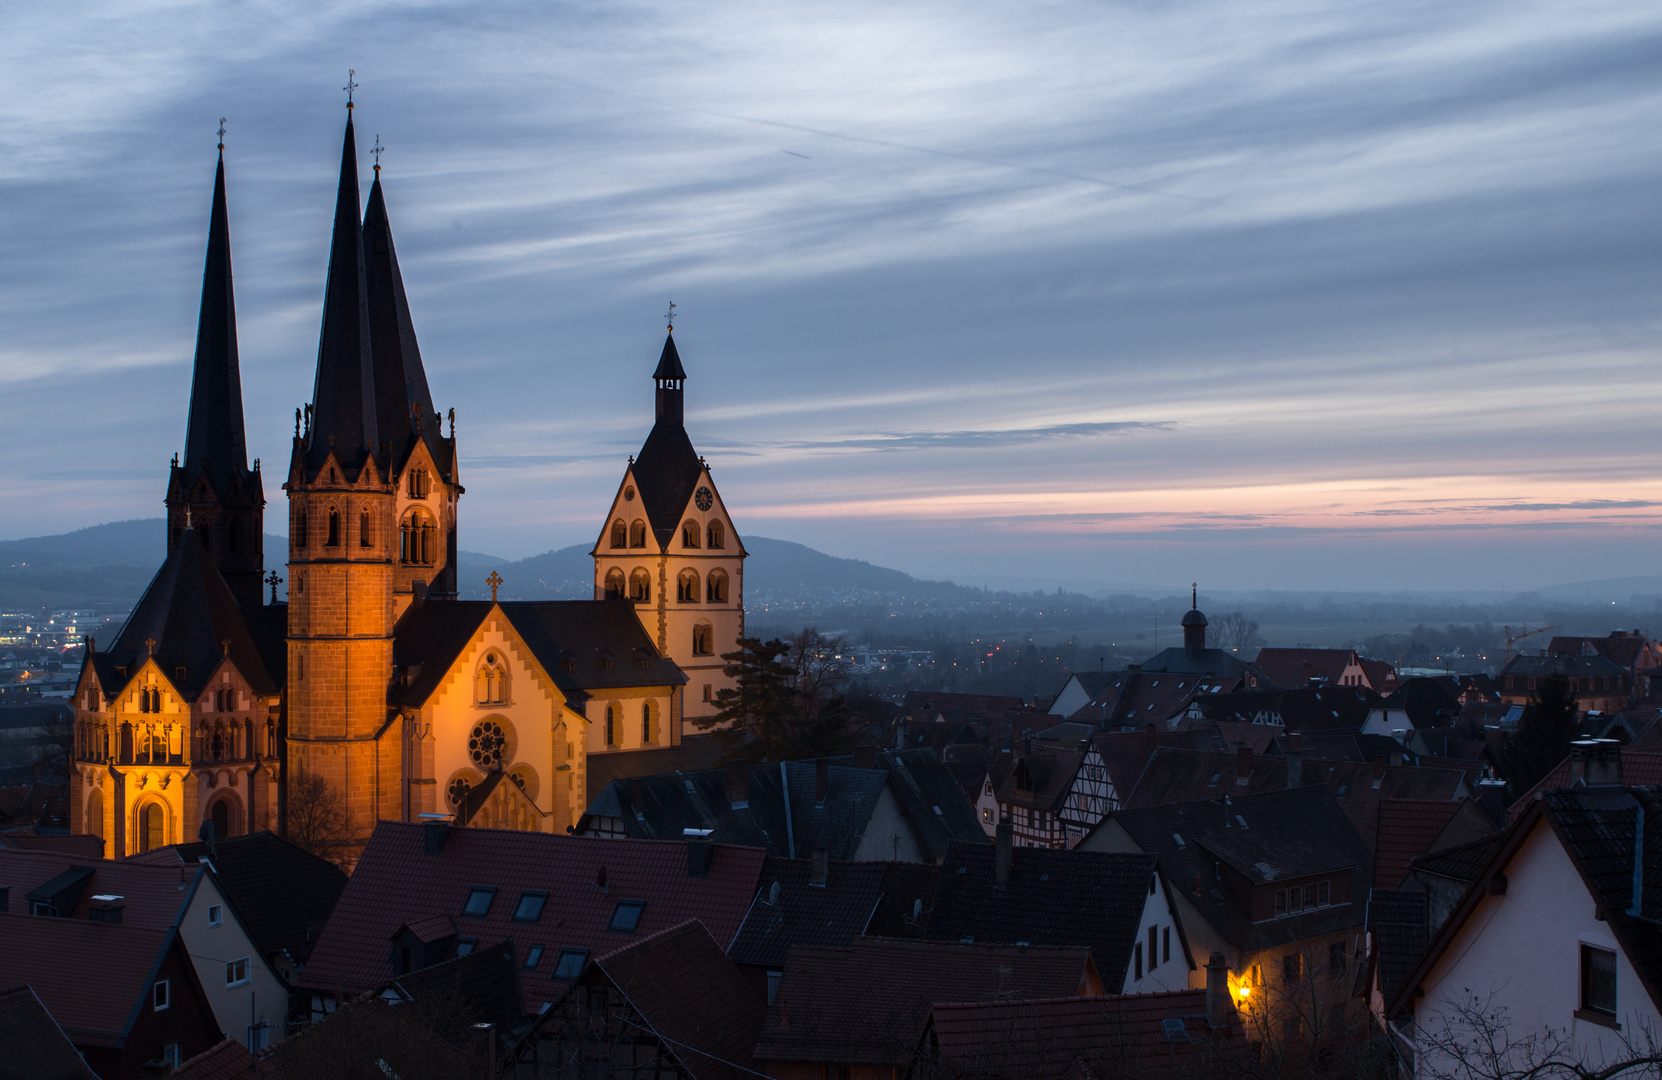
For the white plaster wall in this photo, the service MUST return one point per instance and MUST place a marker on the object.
(263, 997)
(1160, 975)
(888, 836)
(1525, 947)
(1072, 698)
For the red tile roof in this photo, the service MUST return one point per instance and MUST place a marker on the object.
(151, 895)
(1640, 768)
(1111, 1036)
(1407, 829)
(84, 846)
(1296, 667)
(227, 1060)
(36, 1048)
(396, 883)
(58, 957)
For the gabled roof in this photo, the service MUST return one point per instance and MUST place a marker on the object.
(1400, 923)
(1460, 862)
(1427, 701)
(36, 1047)
(1041, 779)
(1092, 682)
(1297, 667)
(1054, 897)
(1136, 698)
(790, 911)
(1060, 1038)
(55, 957)
(282, 892)
(153, 897)
(931, 798)
(866, 1003)
(226, 1060)
(691, 754)
(1641, 768)
(584, 645)
(1301, 828)
(692, 997)
(1407, 829)
(1327, 709)
(1575, 667)
(396, 882)
(191, 615)
(1221, 662)
(482, 982)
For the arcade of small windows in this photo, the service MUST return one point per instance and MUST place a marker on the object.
(417, 486)
(716, 591)
(491, 681)
(717, 535)
(363, 527)
(704, 640)
(690, 532)
(620, 534)
(333, 539)
(686, 587)
(417, 539)
(150, 700)
(637, 534)
(614, 584)
(640, 587)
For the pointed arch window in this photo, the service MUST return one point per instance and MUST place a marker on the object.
(647, 732)
(620, 534)
(686, 587)
(490, 682)
(363, 527)
(614, 584)
(300, 529)
(611, 724)
(640, 586)
(716, 535)
(333, 539)
(152, 827)
(716, 590)
(703, 640)
(690, 533)
(231, 531)
(637, 534)
(417, 539)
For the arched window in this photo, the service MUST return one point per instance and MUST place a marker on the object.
(417, 539)
(300, 529)
(231, 531)
(690, 533)
(221, 816)
(717, 587)
(620, 534)
(490, 683)
(704, 640)
(614, 584)
(333, 539)
(487, 743)
(686, 587)
(637, 534)
(152, 827)
(640, 586)
(717, 535)
(363, 527)
(646, 723)
(95, 813)
(611, 725)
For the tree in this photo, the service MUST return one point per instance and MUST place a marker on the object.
(819, 670)
(785, 703)
(1475, 1039)
(1550, 722)
(1236, 632)
(316, 815)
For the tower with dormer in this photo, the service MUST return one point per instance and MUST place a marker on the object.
(213, 491)
(670, 548)
(372, 491)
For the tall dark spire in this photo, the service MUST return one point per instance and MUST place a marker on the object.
(215, 442)
(343, 397)
(402, 400)
(670, 379)
(667, 468)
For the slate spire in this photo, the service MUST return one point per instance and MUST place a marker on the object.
(670, 379)
(215, 442)
(667, 468)
(402, 403)
(343, 397)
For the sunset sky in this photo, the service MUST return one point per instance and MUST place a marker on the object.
(1261, 294)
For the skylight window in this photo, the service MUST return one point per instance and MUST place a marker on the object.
(479, 901)
(464, 947)
(627, 916)
(533, 958)
(530, 906)
(571, 963)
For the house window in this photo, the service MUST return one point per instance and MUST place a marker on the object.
(708, 694)
(530, 906)
(627, 916)
(774, 977)
(159, 996)
(236, 972)
(611, 725)
(465, 946)
(1165, 945)
(479, 901)
(646, 722)
(987, 815)
(173, 1054)
(1598, 980)
(1153, 953)
(1137, 961)
(216, 914)
(571, 963)
(533, 958)
(1292, 968)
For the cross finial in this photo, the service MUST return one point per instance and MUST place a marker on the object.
(669, 317)
(222, 133)
(187, 515)
(150, 643)
(273, 580)
(351, 85)
(495, 582)
(376, 150)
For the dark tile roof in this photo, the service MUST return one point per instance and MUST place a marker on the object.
(36, 1048)
(1181, 776)
(691, 754)
(83, 846)
(483, 982)
(268, 624)
(1297, 667)
(866, 1003)
(1126, 754)
(1460, 862)
(152, 897)
(282, 892)
(1135, 698)
(692, 997)
(226, 1060)
(932, 800)
(1092, 682)
(666, 471)
(1303, 828)
(190, 613)
(396, 883)
(1041, 779)
(1622, 648)
(1407, 829)
(1238, 706)
(1054, 897)
(1575, 667)
(908, 891)
(1063, 1038)
(1640, 768)
(1327, 709)
(1428, 701)
(789, 911)
(1179, 660)
(1400, 923)
(55, 957)
(583, 645)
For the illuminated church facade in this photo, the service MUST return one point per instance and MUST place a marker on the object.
(374, 691)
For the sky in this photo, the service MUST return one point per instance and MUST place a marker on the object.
(1270, 295)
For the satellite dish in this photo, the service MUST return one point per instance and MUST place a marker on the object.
(917, 909)
(773, 893)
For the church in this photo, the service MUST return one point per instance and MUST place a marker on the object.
(373, 689)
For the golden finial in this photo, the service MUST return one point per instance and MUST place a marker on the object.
(351, 85)
(222, 133)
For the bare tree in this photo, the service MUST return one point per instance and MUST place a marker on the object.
(1236, 632)
(316, 815)
(1474, 1038)
(55, 746)
(820, 669)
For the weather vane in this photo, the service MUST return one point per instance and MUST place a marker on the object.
(669, 316)
(376, 150)
(350, 86)
(222, 133)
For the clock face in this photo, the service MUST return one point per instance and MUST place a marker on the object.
(704, 498)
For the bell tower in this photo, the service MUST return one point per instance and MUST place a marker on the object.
(213, 497)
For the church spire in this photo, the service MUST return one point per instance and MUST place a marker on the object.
(215, 442)
(343, 407)
(403, 404)
(670, 379)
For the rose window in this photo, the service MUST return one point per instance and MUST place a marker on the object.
(458, 790)
(486, 744)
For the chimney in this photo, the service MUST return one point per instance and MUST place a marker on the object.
(1378, 768)
(738, 783)
(1151, 738)
(821, 868)
(1219, 1009)
(435, 830)
(1491, 795)
(1003, 856)
(1295, 742)
(699, 852)
(865, 756)
(822, 780)
(1243, 760)
(1295, 764)
(1197, 885)
(1596, 763)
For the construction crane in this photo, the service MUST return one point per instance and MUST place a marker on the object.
(1523, 632)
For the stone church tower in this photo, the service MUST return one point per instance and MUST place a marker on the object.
(670, 548)
(213, 491)
(372, 516)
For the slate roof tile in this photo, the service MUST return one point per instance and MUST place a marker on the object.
(1407, 829)
(1400, 923)
(35, 1046)
(53, 956)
